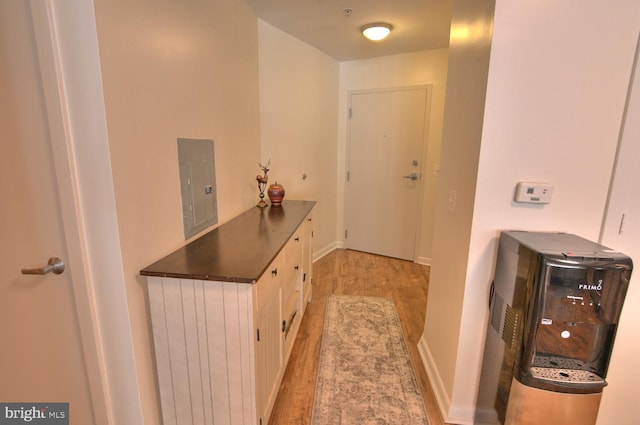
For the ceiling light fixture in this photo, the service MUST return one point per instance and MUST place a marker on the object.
(376, 31)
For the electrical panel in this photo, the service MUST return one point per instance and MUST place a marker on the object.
(197, 185)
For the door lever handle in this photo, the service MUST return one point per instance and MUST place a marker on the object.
(55, 265)
(412, 176)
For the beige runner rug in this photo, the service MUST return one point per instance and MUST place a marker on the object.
(365, 374)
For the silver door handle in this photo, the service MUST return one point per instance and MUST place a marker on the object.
(55, 265)
(412, 176)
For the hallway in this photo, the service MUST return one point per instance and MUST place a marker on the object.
(348, 272)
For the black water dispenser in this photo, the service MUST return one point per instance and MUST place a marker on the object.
(554, 308)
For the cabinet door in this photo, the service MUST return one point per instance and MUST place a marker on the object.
(307, 259)
(293, 261)
(268, 352)
(292, 291)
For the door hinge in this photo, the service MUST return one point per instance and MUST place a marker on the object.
(258, 335)
(621, 228)
(304, 277)
(345, 234)
(350, 113)
(348, 175)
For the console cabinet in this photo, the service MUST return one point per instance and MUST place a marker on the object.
(225, 310)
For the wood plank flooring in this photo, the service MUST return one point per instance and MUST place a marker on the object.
(349, 272)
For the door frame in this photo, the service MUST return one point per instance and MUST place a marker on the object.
(424, 153)
(66, 42)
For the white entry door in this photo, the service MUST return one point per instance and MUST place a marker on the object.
(387, 132)
(41, 354)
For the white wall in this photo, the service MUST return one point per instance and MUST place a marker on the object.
(411, 69)
(174, 69)
(554, 103)
(298, 123)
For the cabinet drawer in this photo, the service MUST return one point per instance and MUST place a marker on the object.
(269, 283)
(293, 260)
(290, 323)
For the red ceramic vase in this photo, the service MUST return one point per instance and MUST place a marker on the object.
(276, 194)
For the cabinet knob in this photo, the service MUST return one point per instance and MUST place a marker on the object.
(297, 239)
(274, 272)
(296, 267)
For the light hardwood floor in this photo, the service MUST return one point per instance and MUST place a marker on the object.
(349, 272)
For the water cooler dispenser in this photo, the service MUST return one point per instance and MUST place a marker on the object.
(554, 309)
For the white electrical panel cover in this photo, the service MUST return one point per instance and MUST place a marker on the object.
(197, 185)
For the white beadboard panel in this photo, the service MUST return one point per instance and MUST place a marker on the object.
(161, 347)
(216, 344)
(190, 329)
(234, 352)
(201, 320)
(177, 351)
(203, 337)
(247, 339)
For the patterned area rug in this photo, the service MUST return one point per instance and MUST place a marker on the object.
(365, 374)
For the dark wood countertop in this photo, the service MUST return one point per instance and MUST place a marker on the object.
(237, 251)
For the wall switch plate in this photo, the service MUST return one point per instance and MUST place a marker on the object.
(452, 201)
(534, 193)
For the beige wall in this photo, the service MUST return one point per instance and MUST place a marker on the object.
(412, 69)
(298, 122)
(174, 69)
(469, 47)
(554, 105)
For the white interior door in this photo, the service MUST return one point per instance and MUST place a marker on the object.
(41, 354)
(384, 179)
(621, 231)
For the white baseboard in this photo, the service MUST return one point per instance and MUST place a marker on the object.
(326, 250)
(452, 414)
(462, 415)
(440, 393)
(425, 261)
(487, 417)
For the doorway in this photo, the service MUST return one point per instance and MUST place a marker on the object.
(43, 357)
(383, 192)
(64, 331)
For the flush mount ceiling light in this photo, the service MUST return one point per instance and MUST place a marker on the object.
(376, 31)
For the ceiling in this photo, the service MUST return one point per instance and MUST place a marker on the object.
(324, 24)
